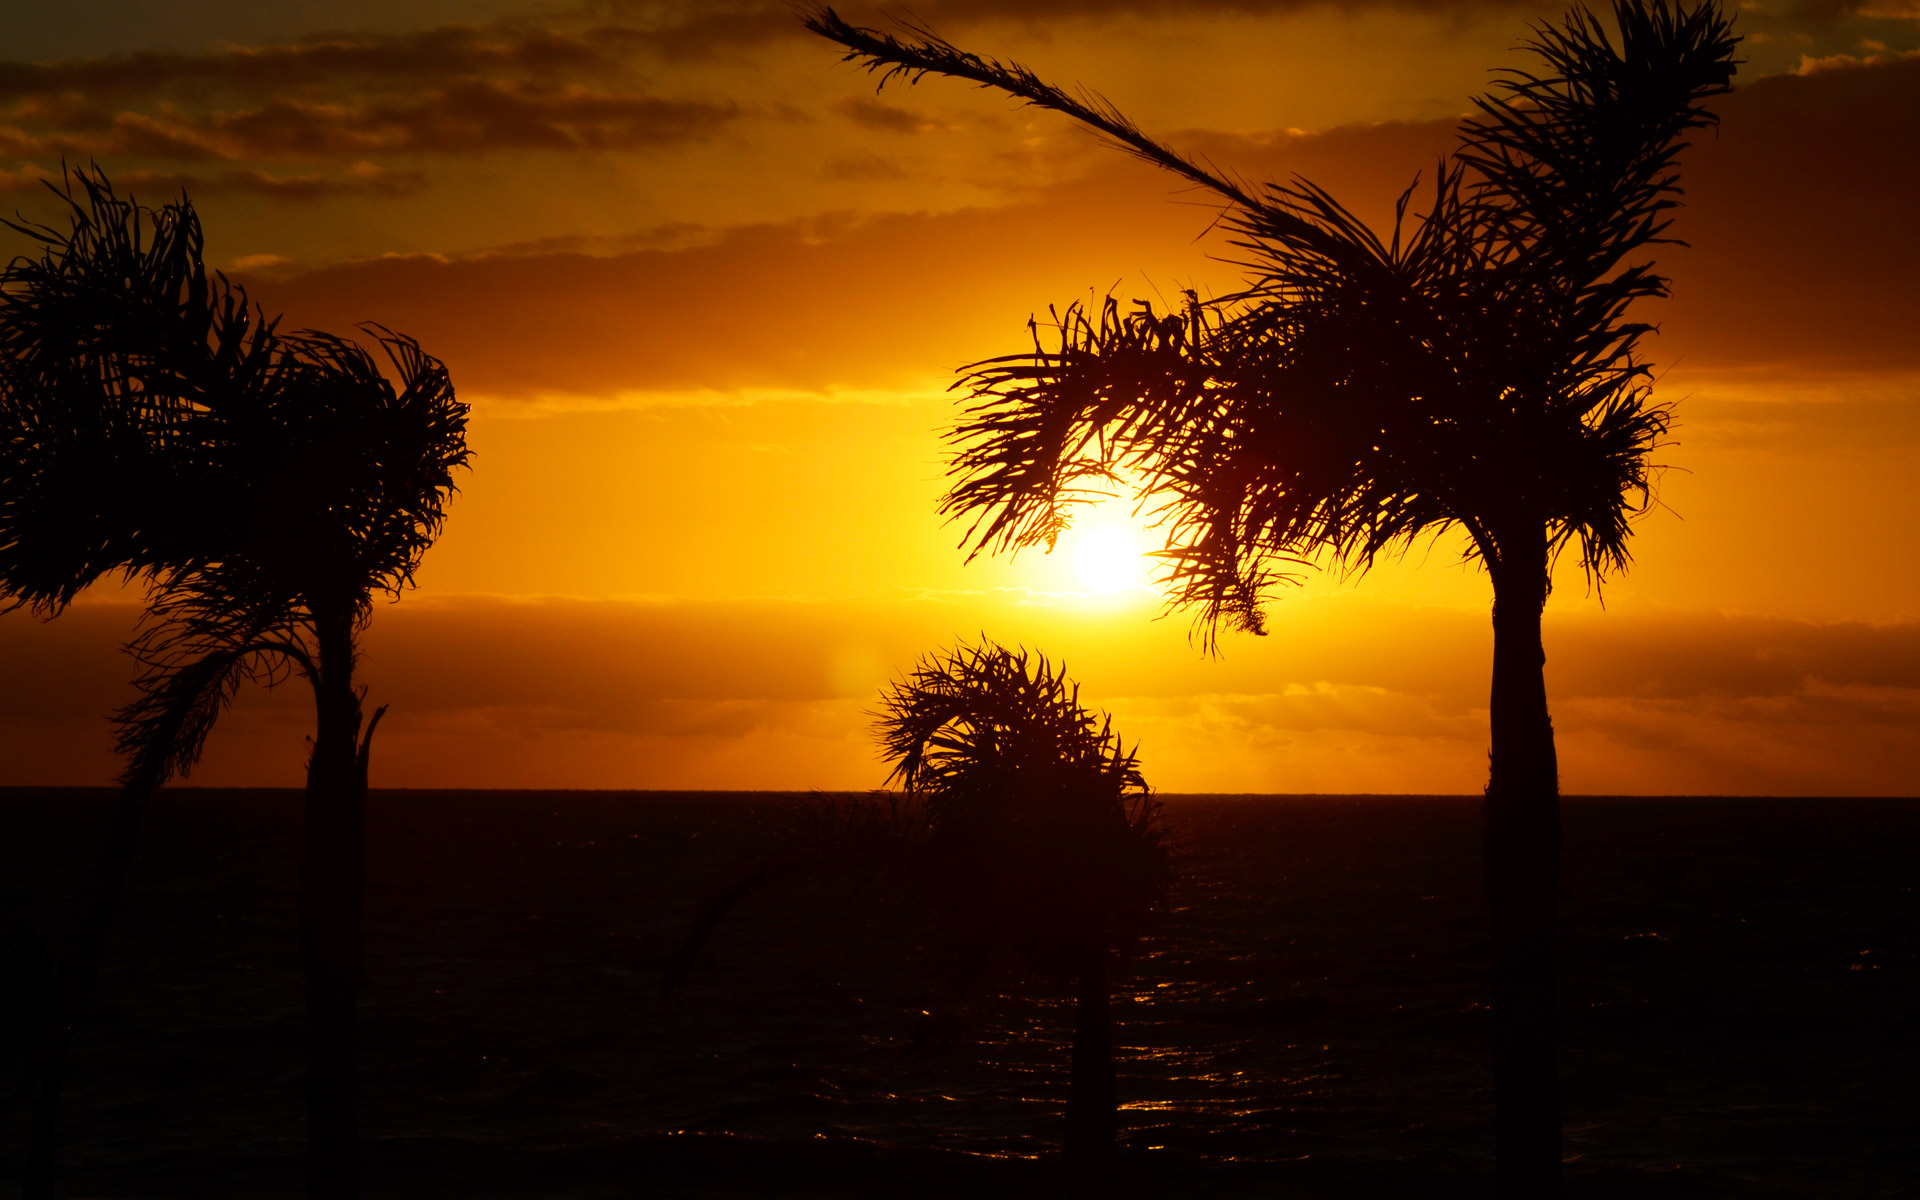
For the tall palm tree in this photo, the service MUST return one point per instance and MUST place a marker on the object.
(104, 340)
(1042, 845)
(270, 485)
(1476, 368)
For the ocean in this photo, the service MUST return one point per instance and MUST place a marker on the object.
(1740, 1001)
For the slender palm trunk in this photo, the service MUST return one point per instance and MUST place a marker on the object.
(1092, 1094)
(332, 878)
(1522, 830)
(75, 988)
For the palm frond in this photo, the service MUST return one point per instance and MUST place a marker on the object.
(1052, 429)
(922, 52)
(195, 648)
(1577, 167)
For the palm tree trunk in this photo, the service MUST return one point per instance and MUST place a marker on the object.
(1522, 831)
(1092, 1094)
(75, 988)
(332, 879)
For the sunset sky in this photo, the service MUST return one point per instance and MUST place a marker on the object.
(705, 291)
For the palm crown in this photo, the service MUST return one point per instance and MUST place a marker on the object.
(333, 486)
(1039, 830)
(1475, 367)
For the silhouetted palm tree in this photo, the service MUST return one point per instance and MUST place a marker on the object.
(104, 340)
(272, 483)
(1024, 828)
(1475, 369)
(1042, 846)
(336, 487)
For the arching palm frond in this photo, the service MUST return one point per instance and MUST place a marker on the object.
(921, 52)
(1299, 217)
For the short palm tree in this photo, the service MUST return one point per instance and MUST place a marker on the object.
(1042, 846)
(1023, 827)
(1475, 369)
(266, 486)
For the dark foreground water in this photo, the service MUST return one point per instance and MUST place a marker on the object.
(1740, 990)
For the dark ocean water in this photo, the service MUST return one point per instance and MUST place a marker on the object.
(1740, 991)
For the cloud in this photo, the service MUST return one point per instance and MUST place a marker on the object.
(599, 40)
(1737, 658)
(808, 305)
(872, 114)
(463, 117)
(441, 54)
(362, 179)
(863, 168)
(830, 302)
(1799, 215)
(1348, 695)
(451, 90)
(690, 30)
(1801, 263)
(1810, 65)
(1820, 11)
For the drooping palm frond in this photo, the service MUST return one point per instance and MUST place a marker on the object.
(332, 483)
(195, 648)
(1048, 429)
(151, 420)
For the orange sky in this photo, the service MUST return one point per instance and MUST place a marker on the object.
(704, 290)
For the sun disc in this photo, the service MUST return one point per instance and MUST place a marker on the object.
(1107, 560)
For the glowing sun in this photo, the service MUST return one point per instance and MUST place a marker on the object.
(1107, 560)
